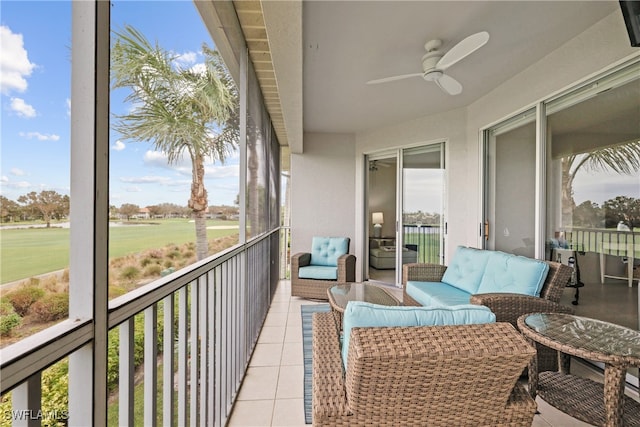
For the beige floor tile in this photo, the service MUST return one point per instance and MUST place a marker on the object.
(272, 334)
(260, 383)
(252, 413)
(276, 319)
(288, 412)
(293, 334)
(292, 354)
(267, 355)
(290, 382)
(279, 307)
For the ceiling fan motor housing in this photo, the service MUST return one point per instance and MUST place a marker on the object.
(429, 61)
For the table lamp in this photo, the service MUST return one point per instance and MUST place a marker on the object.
(377, 219)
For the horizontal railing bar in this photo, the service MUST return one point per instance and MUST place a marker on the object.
(32, 354)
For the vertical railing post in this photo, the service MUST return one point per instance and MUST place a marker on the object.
(151, 366)
(167, 361)
(26, 400)
(126, 373)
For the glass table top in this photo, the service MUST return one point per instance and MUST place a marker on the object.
(586, 333)
(342, 294)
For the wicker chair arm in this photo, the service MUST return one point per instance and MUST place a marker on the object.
(301, 259)
(508, 306)
(422, 272)
(346, 268)
(329, 394)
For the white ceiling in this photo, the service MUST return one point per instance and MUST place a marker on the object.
(347, 43)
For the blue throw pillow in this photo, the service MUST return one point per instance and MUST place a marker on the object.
(514, 274)
(466, 269)
(364, 314)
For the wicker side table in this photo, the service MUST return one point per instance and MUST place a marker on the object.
(615, 346)
(340, 295)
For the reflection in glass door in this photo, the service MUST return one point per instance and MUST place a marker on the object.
(510, 174)
(420, 236)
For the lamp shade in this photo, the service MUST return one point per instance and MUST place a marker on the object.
(377, 218)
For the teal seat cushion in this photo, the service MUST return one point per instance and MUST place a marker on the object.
(513, 273)
(436, 293)
(466, 269)
(318, 272)
(364, 314)
(325, 251)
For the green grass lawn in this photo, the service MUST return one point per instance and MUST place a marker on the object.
(28, 252)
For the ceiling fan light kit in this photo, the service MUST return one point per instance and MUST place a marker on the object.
(435, 62)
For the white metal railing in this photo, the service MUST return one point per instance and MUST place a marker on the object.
(217, 308)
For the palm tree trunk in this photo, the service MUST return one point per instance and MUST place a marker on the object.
(199, 205)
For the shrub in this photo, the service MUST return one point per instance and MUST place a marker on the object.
(174, 254)
(155, 253)
(22, 298)
(168, 263)
(152, 270)
(188, 254)
(9, 319)
(130, 272)
(146, 261)
(54, 307)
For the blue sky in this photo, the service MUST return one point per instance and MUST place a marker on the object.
(35, 104)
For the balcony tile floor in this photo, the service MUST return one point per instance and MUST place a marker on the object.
(272, 391)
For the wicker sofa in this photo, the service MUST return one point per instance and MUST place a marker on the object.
(327, 264)
(431, 375)
(506, 306)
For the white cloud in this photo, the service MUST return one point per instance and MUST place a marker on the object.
(224, 171)
(22, 108)
(186, 58)
(118, 145)
(133, 189)
(145, 179)
(68, 103)
(14, 62)
(40, 136)
(4, 178)
(17, 172)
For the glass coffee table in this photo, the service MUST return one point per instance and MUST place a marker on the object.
(340, 295)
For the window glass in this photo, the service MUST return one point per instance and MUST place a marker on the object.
(593, 197)
(35, 161)
(174, 179)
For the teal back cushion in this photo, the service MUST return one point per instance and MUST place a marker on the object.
(466, 269)
(364, 314)
(513, 273)
(326, 250)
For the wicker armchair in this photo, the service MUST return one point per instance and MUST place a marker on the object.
(317, 288)
(437, 376)
(507, 307)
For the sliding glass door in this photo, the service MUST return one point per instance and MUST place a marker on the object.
(561, 182)
(405, 200)
(510, 172)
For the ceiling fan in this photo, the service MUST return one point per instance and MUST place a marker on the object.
(435, 62)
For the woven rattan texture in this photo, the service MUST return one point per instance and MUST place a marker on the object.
(437, 376)
(583, 399)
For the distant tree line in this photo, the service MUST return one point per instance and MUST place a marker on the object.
(50, 206)
(619, 209)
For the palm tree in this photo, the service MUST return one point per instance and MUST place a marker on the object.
(192, 111)
(622, 159)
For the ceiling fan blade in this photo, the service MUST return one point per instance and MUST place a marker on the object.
(463, 49)
(449, 85)
(391, 79)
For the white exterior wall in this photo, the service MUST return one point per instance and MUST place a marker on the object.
(600, 47)
(322, 190)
